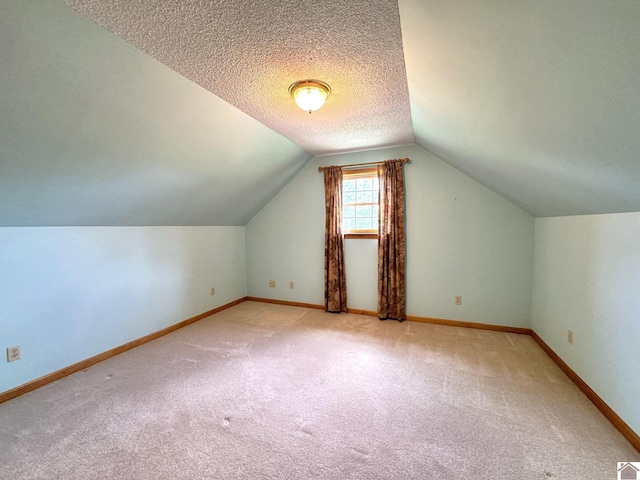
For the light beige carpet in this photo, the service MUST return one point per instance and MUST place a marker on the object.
(262, 391)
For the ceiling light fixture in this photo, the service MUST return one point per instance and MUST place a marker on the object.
(310, 94)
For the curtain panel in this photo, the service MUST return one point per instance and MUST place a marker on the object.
(391, 242)
(335, 282)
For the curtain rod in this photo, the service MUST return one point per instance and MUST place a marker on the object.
(403, 160)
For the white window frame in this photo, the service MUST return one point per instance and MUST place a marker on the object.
(355, 174)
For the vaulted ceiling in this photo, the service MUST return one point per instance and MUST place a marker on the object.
(538, 100)
(248, 53)
(177, 112)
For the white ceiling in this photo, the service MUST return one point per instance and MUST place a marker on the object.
(249, 52)
(539, 101)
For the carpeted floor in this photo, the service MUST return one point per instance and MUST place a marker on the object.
(262, 391)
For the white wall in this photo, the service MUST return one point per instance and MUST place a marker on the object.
(68, 293)
(462, 239)
(587, 279)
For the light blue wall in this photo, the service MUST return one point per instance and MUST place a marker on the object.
(70, 293)
(462, 239)
(94, 132)
(587, 279)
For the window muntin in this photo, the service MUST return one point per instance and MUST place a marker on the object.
(360, 190)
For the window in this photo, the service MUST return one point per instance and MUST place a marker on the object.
(360, 189)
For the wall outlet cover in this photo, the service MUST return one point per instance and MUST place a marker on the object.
(13, 353)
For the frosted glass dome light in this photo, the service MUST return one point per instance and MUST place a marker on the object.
(310, 95)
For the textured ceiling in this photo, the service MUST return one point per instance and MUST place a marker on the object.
(248, 52)
(539, 101)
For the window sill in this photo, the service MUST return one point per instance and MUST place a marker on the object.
(361, 236)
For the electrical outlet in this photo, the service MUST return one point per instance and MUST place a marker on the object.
(458, 300)
(570, 336)
(213, 291)
(291, 285)
(13, 353)
(272, 283)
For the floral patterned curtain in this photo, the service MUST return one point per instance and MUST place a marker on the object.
(391, 242)
(335, 282)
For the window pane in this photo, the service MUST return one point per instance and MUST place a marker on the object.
(364, 197)
(357, 192)
(364, 223)
(348, 185)
(365, 183)
(349, 223)
(348, 198)
(363, 211)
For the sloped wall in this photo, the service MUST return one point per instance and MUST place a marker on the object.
(462, 239)
(587, 279)
(93, 132)
(70, 293)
